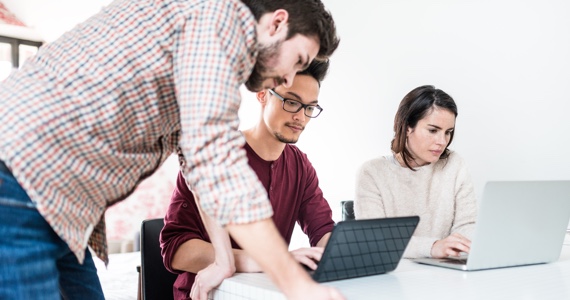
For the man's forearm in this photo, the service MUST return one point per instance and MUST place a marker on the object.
(223, 255)
(193, 256)
(264, 244)
(196, 254)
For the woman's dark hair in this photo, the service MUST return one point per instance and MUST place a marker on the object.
(306, 17)
(415, 106)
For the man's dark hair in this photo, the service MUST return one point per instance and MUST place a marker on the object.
(306, 17)
(317, 69)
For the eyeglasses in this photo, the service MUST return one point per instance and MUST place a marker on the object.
(294, 106)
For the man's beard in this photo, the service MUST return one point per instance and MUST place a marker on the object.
(266, 54)
(282, 139)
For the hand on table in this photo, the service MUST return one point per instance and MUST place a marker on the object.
(207, 279)
(308, 256)
(452, 245)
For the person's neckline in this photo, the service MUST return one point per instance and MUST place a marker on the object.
(396, 161)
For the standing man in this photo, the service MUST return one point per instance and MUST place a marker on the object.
(102, 107)
(287, 175)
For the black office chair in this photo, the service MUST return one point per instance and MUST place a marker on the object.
(156, 280)
(347, 208)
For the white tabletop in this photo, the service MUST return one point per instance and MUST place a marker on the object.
(408, 281)
(414, 281)
(120, 278)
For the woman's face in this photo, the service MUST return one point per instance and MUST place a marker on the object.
(430, 137)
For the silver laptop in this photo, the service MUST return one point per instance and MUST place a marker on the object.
(519, 223)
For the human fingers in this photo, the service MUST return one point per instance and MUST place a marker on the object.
(460, 238)
(199, 291)
(457, 239)
(449, 246)
(314, 253)
(206, 280)
(452, 252)
(455, 248)
(204, 293)
(307, 261)
(195, 290)
(310, 251)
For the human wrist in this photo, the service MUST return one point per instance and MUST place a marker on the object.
(225, 261)
(226, 269)
(431, 252)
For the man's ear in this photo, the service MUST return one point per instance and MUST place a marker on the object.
(272, 26)
(261, 96)
(279, 22)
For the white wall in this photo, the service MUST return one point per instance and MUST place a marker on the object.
(506, 63)
(52, 18)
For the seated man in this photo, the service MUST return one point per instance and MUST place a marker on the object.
(288, 176)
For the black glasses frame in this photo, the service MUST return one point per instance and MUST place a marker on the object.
(318, 109)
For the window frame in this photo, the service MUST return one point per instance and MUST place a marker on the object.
(15, 43)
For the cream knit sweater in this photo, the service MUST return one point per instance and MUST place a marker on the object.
(441, 194)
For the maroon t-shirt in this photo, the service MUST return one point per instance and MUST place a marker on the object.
(293, 188)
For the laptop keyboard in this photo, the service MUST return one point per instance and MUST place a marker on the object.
(455, 261)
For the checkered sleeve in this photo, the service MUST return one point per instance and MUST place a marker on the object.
(207, 87)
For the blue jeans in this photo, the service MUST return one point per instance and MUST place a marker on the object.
(35, 263)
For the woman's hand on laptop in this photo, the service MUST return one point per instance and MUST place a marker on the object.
(452, 245)
(308, 256)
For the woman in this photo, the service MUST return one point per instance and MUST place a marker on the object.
(422, 177)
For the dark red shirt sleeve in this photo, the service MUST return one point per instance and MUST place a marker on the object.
(181, 223)
(315, 214)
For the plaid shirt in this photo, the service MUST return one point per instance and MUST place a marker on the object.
(98, 110)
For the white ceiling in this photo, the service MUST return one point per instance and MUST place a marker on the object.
(52, 18)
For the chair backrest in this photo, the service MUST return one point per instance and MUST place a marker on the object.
(347, 208)
(156, 280)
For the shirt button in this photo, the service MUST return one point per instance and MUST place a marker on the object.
(184, 205)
